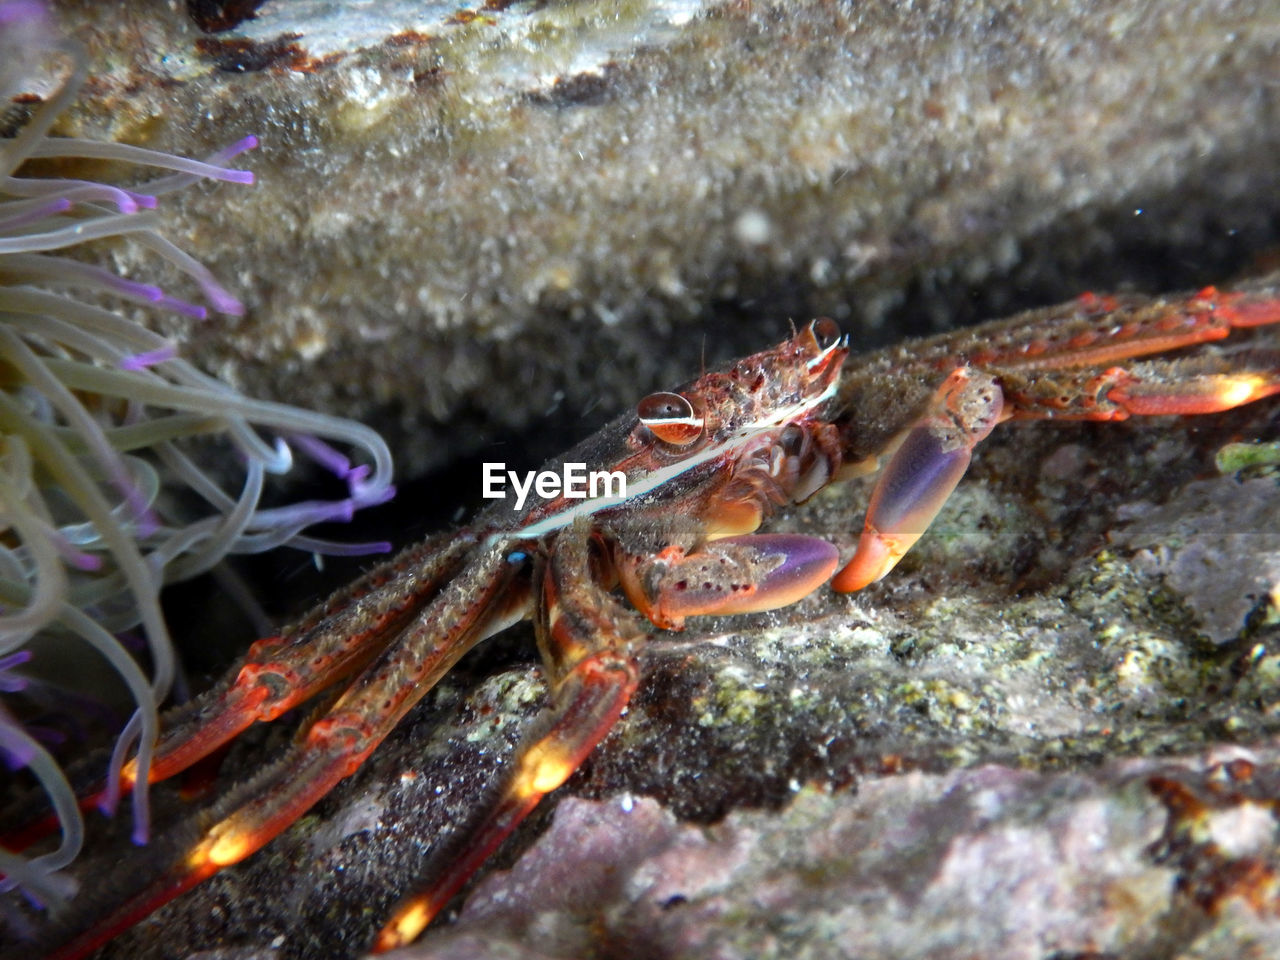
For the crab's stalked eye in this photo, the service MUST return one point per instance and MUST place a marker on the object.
(826, 332)
(832, 346)
(670, 418)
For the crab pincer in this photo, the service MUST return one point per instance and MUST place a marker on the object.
(1046, 364)
(929, 461)
(744, 574)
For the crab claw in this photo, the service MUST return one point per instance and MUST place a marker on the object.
(921, 474)
(746, 574)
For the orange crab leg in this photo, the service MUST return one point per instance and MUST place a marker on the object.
(1180, 386)
(1155, 327)
(474, 605)
(1035, 376)
(588, 643)
(279, 673)
(925, 468)
(484, 598)
(1203, 394)
(1094, 331)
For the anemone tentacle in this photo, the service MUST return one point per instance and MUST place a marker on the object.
(105, 429)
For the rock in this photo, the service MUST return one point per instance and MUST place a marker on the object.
(470, 224)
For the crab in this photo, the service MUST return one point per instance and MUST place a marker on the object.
(704, 465)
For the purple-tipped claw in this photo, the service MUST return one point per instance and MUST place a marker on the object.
(746, 574)
(917, 481)
(803, 565)
(921, 474)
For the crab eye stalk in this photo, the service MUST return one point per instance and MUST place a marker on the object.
(826, 346)
(671, 418)
(826, 332)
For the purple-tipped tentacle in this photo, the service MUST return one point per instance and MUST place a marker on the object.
(16, 11)
(149, 358)
(9, 682)
(334, 548)
(183, 307)
(371, 494)
(86, 562)
(188, 168)
(16, 745)
(133, 289)
(322, 453)
(305, 514)
(362, 494)
(33, 213)
(214, 292)
(248, 142)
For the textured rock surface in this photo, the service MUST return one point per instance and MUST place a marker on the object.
(1019, 745)
(467, 222)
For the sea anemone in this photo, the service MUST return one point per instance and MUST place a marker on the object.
(104, 430)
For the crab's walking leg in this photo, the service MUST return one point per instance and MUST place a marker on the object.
(1193, 385)
(925, 468)
(281, 672)
(588, 644)
(935, 451)
(278, 673)
(485, 597)
(1094, 331)
(1156, 326)
(1206, 393)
